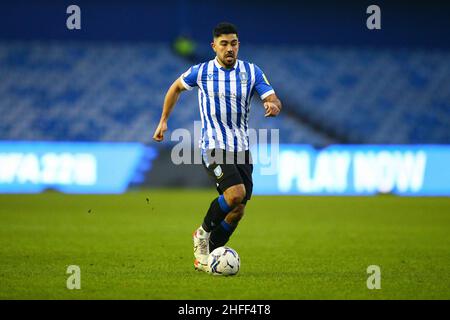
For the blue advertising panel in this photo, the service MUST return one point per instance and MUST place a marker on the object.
(30, 167)
(412, 170)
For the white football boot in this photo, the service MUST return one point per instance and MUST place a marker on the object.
(201, 249)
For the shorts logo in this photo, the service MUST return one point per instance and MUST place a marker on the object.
(244, 77)
(218, 172)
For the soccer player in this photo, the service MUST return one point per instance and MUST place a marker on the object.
(225, 88)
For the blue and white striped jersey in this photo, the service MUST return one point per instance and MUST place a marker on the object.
(224, 97)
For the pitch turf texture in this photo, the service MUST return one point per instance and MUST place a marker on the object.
(138, 246)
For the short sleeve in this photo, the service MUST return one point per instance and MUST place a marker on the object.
(262, 85)
(189, 78)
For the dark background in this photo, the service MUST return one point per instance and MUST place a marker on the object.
(404, 23)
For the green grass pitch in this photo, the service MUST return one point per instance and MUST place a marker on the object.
(290, 247)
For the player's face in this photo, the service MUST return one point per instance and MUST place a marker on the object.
(226, 47)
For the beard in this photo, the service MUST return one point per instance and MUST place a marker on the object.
(229, 60)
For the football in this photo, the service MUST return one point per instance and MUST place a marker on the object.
(224, 261)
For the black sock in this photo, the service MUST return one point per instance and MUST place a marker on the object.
(220, 235)
(216, 213)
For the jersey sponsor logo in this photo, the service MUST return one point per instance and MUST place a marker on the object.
(222, 94)
(218, 172)
(243, 76)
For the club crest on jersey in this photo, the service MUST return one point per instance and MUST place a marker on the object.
(243, 76)
(218, 172)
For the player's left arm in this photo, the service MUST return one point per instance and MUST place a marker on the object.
(270, 100)
(272, 105)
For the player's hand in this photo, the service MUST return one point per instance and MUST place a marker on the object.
(159, 132)
(271, 109)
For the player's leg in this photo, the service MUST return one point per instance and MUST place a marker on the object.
(223, 205)
(219, 208)
(226, 177)
(220, 235)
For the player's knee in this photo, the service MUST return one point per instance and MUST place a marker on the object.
(235, 196)
(236, 199)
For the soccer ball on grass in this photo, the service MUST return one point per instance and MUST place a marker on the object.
(224, 261)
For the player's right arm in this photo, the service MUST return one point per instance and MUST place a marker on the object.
(187, 81)
(170, 100)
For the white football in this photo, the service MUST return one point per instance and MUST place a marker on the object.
(224, 261)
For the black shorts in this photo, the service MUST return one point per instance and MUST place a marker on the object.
(227, 169)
